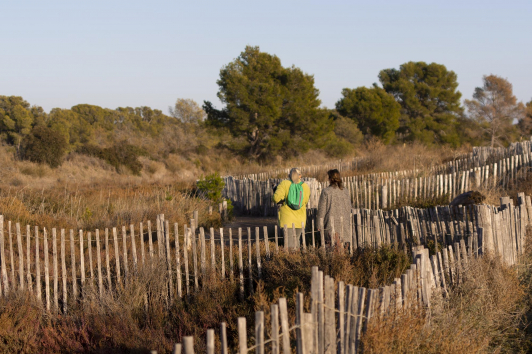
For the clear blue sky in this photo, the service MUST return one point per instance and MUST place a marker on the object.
(149, 53)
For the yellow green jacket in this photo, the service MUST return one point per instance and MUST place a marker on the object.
(288, 216)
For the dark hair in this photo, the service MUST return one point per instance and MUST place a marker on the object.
(335, 179)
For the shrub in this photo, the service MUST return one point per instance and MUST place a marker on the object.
(120, 154)
(212, 186)
(44, 145)
(338, 147)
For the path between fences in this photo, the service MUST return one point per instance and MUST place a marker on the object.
(56, 266)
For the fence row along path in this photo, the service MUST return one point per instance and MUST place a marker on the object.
(58, 266)
(483, 167)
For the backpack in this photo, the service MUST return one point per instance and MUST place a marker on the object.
(295, 196)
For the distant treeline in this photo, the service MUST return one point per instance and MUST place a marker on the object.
(270, 110)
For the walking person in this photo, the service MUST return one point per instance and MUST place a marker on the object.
(293, 194)
(335, 205)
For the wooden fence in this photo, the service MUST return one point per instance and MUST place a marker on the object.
(57, 266)
(483, 167)
(478, 157)
(340, 313)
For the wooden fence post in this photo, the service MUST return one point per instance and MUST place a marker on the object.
(117, 256)
(178, 261)
(210, 341)
(188, 234)
(2, 256)
(257, 247)
(222, 253)
(11, 255)
(223, 338)
(274, 319)
(124, 247)
(89, 249)
(99, 262)
(107, 261)
(188, 345)
(231, 259)
(250, 264)
(133, 245)
(285, 333)
(20, 257)
(73, 265)
(64, 270)
(28, 258)
(202, 254)
(301, 344)
(169, 260)
(46, 271)
(259, 332)
(56, 269)
(240, 263)
(242, 336)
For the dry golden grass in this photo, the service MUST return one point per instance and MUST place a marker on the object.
(137, 317)
(485, 313)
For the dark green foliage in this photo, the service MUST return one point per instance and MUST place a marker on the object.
(429, 100)
(212, 186)
(44, 145)
(374, 111)
(337, 147)
(121, 154)
(347, 129)
(16, 119)
(275, 109)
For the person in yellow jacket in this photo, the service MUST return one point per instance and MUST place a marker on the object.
(289, 216)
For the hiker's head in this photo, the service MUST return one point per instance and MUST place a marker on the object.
(295, 175)
(334, 179)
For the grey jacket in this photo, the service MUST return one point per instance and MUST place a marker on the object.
(335, 203)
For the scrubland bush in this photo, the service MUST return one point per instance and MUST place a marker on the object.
(120, 154)
(44, 145)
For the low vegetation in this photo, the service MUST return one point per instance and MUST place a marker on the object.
(138, 318)
(487, 312)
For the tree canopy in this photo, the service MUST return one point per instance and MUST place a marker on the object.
(495, 108)
(16, 119)
(430, 102)
(525, 124)
(187, 111)
(274, 109)
(374, 111)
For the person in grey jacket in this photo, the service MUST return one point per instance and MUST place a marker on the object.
(335, 204)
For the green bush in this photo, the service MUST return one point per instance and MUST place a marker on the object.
(212, 186)
(120, 154)
(44, 145)
(338, 147)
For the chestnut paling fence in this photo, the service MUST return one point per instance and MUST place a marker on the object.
(252, 194)
(58, 266)
(340, 313)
